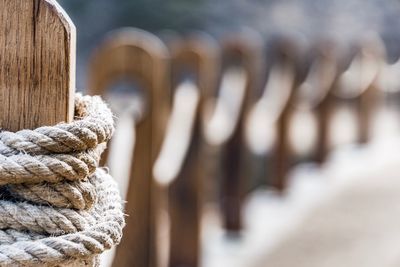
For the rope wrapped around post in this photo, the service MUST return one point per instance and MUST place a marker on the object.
(57, 208)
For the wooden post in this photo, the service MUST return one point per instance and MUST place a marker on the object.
(284, 52)
(324, 114)
(139, 56)
(357, 84)
(321, 79)
(37, 64)
(243, 50)
(367, 100)
(193, 59)
(365, 108)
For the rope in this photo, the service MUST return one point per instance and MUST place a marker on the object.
(57, 208)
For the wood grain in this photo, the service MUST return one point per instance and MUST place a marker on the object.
(37, 64)
(139, 56)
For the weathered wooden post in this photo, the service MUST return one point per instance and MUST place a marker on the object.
(37, 64)
(194, 63)
(241, 52)
(138, 56)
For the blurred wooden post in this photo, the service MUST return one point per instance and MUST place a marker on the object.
(357, 84)
(37, 64)
(194, 59)
(367, 100)
(137, 55)
(324, 114)
(286, 54)
(326, 54)
(243, 50)
(365, 107)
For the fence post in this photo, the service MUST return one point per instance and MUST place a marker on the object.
(195, 56)
(140, 56)
(357, 83)
(321, 80)
(367, 100)
(37, 64)
(244, 51)
(286, 53)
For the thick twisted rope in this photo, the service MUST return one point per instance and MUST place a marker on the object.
(56, 207)
(93, 125)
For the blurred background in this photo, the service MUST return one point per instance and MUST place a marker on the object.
(343, 20)
(313, 185)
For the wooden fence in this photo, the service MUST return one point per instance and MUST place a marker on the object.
(200, 94)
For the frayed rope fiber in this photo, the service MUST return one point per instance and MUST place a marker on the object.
(57, 208)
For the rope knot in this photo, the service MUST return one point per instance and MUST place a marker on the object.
(56, 206)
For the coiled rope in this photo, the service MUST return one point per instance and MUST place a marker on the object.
(56, 207)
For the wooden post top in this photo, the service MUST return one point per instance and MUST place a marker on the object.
(364, 68)
(128, 53)
(139, 56)
(246, 49)
(322, 73)
(197, 54)
(284, 48)
(37, 64)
